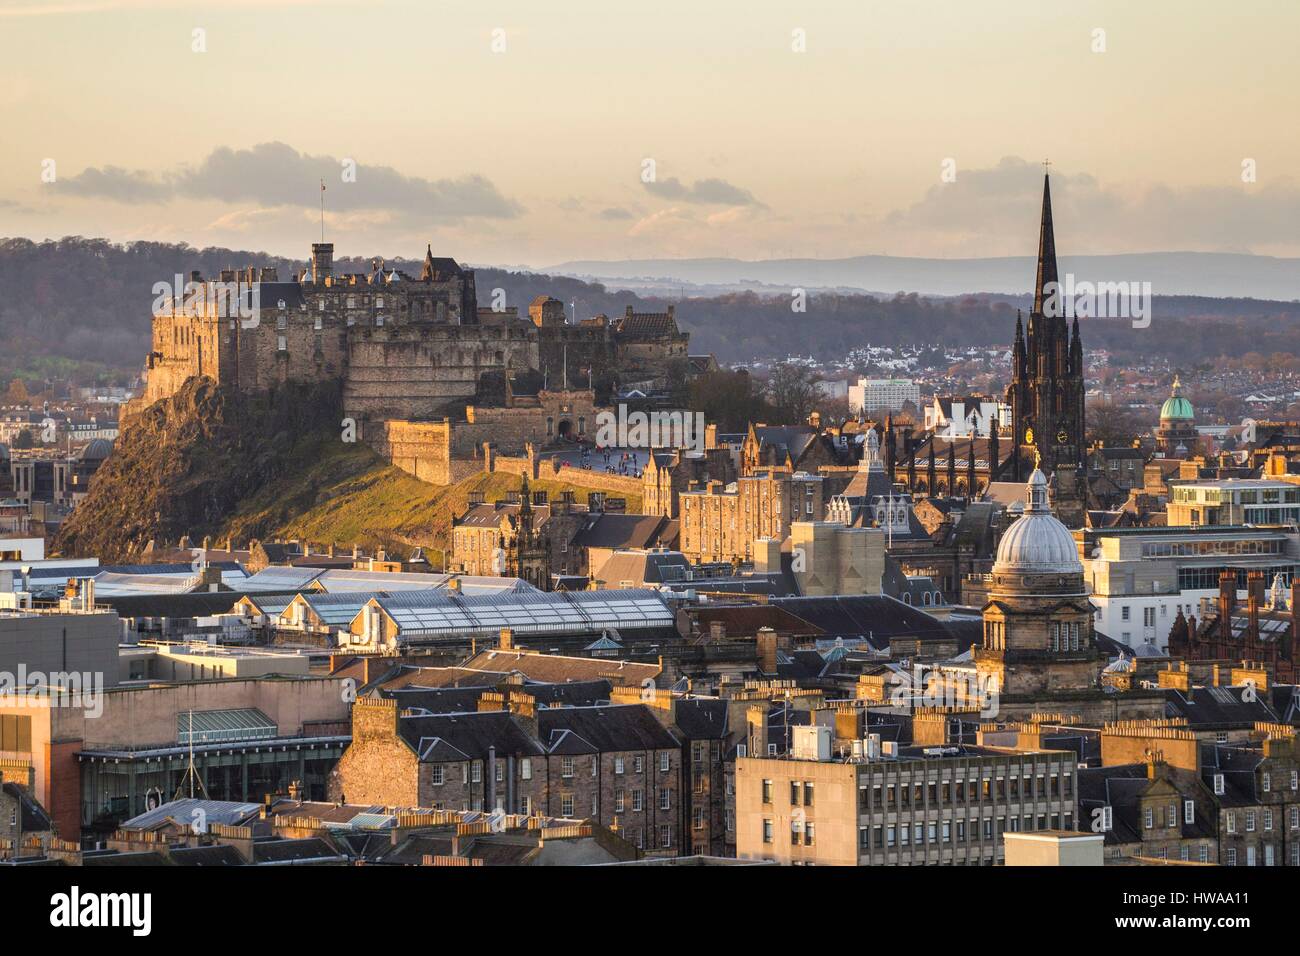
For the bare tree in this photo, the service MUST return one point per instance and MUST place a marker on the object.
(792, 392)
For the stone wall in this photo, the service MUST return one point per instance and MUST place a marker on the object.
(427, 371)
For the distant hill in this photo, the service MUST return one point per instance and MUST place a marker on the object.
(1210, 274)
(78, 309)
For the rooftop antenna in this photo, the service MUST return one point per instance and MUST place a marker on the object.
(191, 772)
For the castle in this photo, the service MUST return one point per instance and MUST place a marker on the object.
(409, 349)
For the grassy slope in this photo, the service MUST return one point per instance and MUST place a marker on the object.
(345, 494)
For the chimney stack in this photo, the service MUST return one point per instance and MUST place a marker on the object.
(1227, 601)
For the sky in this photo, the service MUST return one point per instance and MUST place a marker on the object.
(537, 132)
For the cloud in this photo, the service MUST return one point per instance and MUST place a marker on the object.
(275, 174)
(615, 214)
(985, 211)
(711, 191)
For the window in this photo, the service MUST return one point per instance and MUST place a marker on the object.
(638, 801)
(1268, 819)
(638, 765)
(1230, 857)
(566, 805)
(794, 793)
(476, 773)
(526, 769)
(767, 791)
(1203, 853)
(665, 761)
(620, 805)
(666, 835)
(1148, 818)
(1250, 821)
(436, 776)
(1268, 782)
(1172, 815)
(809, 833)
(665, 799)
(566, 766)
(767, 831)
(1218, 784)
(1189, 811)
(618, 765)
(808, 794)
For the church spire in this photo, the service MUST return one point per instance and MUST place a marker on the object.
(426, 274)
(1046, 256)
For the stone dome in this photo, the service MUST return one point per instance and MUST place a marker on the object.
(97, 450)
(1036, 542)
(1176, 408)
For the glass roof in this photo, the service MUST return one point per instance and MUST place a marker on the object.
(437, 614)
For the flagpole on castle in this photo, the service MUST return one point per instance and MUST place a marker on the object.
(322, 210)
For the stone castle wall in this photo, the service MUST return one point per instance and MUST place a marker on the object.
(424, 371)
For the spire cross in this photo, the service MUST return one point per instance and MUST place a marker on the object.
(1047, 165)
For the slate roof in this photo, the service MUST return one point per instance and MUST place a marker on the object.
(1211, 708)
(702, 718)
(581, 730)
(467, 736)
(876, 617)
(554, 668)
(34, 818)
(463, 699)
(209, 856)
(309, 849)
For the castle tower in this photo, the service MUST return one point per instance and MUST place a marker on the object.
(1046, 393)
(322, 261)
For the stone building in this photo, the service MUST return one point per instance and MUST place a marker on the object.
(668, 473)
(403, 347)
(577, 538)
(615, 764)
(897, 805)
(1047, 369)
(723, 522)
(1264, 631)
(1038, 621)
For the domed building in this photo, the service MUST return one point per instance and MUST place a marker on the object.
(1038, 619)
(1176, 434)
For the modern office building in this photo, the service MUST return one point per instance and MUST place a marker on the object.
(883, 394)
(892, 805)
(1141, 578)
(1233, 501)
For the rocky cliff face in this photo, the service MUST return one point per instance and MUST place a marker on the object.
(184, 464)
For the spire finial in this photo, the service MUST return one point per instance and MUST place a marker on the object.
(1047, 274)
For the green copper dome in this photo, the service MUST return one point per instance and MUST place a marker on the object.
(1176, 408)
